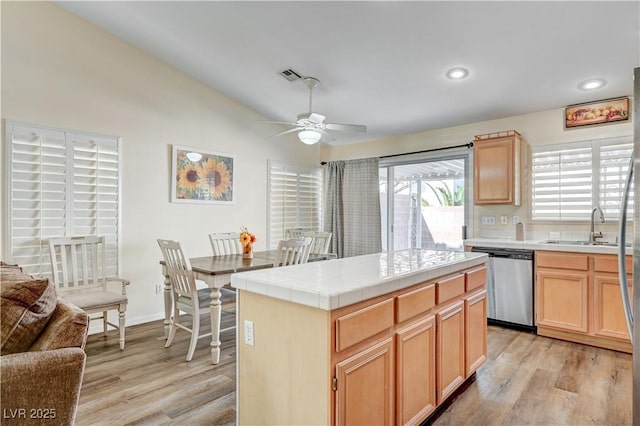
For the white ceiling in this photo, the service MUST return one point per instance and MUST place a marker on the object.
(383, 63)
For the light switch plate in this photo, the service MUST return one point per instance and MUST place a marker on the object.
(504, 220)
(488, 220)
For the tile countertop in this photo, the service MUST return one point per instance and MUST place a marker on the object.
(540, 245)
(336, 283)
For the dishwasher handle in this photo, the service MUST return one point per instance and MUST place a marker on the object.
(517, 254)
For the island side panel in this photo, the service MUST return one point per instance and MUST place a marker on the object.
(285, 378)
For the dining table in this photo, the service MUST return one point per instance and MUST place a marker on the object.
(216, 272)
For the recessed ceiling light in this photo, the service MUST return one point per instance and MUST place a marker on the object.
(457, 73)
(592, 84)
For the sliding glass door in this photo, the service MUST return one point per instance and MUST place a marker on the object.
(424, 203)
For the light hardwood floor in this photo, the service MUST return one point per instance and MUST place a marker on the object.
(533, 380)
(527, 380)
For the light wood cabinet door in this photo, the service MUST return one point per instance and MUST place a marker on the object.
(415, 371)
(609, 319)
(562, 300)
(496, 170)
(450, 350)
(365, 392)
(475, 324)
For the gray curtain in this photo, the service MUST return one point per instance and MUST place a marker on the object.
(353, 207)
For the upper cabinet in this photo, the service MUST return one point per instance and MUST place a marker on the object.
(497, 168)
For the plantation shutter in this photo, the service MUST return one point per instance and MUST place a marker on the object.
(568, 180)
(95, 192)
(295, 199)
(614, 165)
(60, 183)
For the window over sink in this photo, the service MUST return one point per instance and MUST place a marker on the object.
(569, 179)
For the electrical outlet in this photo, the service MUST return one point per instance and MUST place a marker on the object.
(504, 220)
(248, 333)
(488, 220)
(158, 288)
(516, 219)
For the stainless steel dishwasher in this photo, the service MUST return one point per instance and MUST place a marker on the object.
(509, 287)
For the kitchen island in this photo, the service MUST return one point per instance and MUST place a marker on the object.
(376, 339)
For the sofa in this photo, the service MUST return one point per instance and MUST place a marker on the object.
(42, 355)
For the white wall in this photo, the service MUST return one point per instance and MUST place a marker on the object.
(538, 128)
(61, 71)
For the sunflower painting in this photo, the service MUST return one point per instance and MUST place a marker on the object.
(201, 176)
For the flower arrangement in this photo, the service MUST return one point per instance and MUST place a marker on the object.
(247, 239)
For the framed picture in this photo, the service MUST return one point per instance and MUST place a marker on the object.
(594, 113)
(201, 176)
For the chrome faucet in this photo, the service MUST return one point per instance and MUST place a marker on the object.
(593, 236)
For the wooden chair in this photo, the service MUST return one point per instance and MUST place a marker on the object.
(225, 243)
(320, 241)
(222, 244)
(293, 233)
(78, 271)
(186, 297)
(292, 252)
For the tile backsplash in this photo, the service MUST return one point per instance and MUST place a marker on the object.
(538, 231)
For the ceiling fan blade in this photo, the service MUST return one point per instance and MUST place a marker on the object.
(295, 129)
(325, 136)
(360, 128)
(278, 122)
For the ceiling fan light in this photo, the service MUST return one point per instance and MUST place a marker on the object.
(309, 136)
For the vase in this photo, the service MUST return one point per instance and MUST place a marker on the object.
(247, 252)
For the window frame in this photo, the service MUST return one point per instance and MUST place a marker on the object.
(595, 149)
(69, 190)
(438, 155)
(272, 239)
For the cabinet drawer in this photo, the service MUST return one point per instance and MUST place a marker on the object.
(610, 264)
(415, 302)
(364, 323)
(476, 278)
(561, 260)
(450, 288)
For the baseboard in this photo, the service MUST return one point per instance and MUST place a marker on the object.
(96, 326)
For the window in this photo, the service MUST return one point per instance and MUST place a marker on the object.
(60, 183)
(568, 180)
(424, 201)
(295, 199)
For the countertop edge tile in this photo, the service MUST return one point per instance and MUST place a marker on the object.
(343, 282)
(541, 246)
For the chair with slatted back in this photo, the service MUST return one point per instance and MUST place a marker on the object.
(293, 251)
(186, 297)
(222, 244)
(320, 241)
(79, 272)
(225, 243)
(293, 233)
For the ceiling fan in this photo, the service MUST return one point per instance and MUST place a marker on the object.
(310, 125)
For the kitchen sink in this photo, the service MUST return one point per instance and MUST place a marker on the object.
(572, 242)
(584, 243)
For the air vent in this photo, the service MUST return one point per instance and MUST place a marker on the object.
(290, 74)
